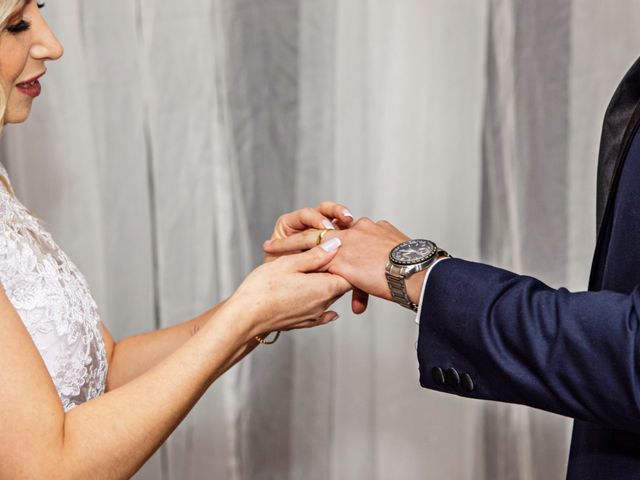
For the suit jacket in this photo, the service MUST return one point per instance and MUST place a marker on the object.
(491, 334)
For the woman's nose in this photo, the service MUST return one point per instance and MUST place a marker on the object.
(46, 45)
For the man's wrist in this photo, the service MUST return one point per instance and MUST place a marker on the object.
(415, 283)
(414, 286)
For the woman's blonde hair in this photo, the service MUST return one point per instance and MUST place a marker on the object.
(7, 7)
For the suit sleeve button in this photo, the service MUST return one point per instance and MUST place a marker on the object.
(467, 383)
(452, 377)
(438, 375)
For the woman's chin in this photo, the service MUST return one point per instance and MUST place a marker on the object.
(16, 117)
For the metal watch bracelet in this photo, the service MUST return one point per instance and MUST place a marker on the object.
(398, 286)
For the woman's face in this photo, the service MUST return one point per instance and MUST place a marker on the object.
(25, 44)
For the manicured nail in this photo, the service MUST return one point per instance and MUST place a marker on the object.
(335, 318)
(347, 213)
(331, 245)
(327, 224)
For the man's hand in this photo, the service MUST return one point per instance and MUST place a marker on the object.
(361, 260)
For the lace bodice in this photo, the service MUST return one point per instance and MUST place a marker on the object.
(53, 300)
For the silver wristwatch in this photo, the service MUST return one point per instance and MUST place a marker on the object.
(406, 259)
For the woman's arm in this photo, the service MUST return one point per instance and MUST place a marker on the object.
(113, 435)
(133, 356)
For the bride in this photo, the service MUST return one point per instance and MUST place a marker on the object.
(77, 404)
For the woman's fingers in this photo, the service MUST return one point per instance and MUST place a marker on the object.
(327, 317)
(298, 242)
(316, 259)
(302, 220)
(336, 211)
(320, 218)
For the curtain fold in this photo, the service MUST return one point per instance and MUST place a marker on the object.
(525, 145)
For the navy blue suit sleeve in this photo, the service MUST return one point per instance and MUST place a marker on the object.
(520, 341)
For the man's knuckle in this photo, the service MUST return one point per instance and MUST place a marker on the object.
(344, 235)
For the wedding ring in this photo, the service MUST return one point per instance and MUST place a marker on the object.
(321, 235)
(264, 341)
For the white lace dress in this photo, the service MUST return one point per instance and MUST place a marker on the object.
(53, 300)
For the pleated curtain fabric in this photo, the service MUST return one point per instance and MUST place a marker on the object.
(171, 136)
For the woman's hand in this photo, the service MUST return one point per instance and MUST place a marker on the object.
(328, 215)
(361, 260)
(291, 292)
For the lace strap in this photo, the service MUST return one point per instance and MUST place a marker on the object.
(4, 179)
(7, 185)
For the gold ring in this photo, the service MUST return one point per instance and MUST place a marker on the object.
(264, 341)
(321, 235)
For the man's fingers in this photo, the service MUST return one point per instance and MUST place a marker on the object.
(359, 301)
(319, 218)
(298, 242)
(302, 220)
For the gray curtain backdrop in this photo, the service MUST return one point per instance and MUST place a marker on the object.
(171, 136)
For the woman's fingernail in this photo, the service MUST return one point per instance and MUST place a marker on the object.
(327, 224)
(331, 245)
(347, 213)
(335, 318)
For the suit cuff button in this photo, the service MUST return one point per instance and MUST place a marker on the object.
(467, 383)
(452, 377)
(437, 375)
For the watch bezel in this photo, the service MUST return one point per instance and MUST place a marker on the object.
(422, 260)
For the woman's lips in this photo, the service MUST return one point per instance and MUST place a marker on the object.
(32, 88)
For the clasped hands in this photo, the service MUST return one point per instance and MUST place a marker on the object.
(362, 254)
(300, 280)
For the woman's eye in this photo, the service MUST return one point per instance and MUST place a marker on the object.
(21, 26)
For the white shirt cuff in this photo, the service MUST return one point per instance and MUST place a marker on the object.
(424, 285)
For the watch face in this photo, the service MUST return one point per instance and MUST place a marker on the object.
(413, 252)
